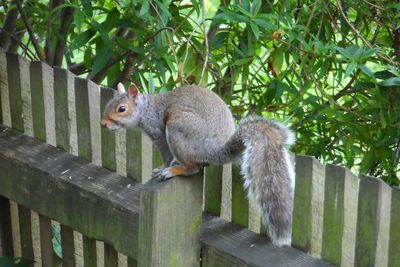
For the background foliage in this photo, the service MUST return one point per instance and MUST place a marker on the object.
(330, 69)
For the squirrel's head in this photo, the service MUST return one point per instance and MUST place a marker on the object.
(121, 111)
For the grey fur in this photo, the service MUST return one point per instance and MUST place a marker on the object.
(192, 126)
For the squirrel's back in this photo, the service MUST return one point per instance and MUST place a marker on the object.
(202, 108)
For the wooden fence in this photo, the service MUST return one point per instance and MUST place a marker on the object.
(338, 217)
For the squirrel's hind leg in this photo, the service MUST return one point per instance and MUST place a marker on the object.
(177, 170)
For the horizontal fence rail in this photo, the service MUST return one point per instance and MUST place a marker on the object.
(344, 219)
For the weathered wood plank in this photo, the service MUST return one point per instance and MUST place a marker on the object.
(367, 221)
(213, 189)
(107, 136)
(308, 205)
(110, 256)
(95, 128)
(383, 213)
(24, 215)
(49, 107)
(36, 239)
(132, 263)
(4, 90)
(394, 244)
(37, 96)
(46, 244)
(104, 207)
(120, 153)
(333, 214)
(14, 88)
(72, 115)
(139, 154)
(67, 241)
(157, 158)
(133, 154)
(16, 237)
(350, 219)
(89, 252)
(24, 67)
(6, 245)
(228, 244)
(83, 119)
(226, 194)
(170, 218)
(302, 220)
(240, 203)
(61, 112)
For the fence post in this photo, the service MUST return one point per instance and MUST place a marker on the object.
(169, 222)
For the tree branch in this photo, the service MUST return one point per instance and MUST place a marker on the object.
(8, 26)
(38, 49)
(127, 70)
(66, 21)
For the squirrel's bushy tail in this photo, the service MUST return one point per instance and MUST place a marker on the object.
(268, 172)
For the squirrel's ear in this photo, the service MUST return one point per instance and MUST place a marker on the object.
(121, 88)
(133, 90)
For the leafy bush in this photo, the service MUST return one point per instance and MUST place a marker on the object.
(329, 68)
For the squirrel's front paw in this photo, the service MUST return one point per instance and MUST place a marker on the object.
(156, 173)
(159, 174)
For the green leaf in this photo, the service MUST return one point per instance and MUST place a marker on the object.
(394, 81)
(366, 70)
(241, 61)
(145, 8)
(255, 29)
(87, 57)
(230, 16)
(255, 7)
(219, 40)
(102, 31)
(276, 57)
(384, 74)
(101, 59)
(87, 7)
(350, 68)
(152, 88)
(82, 39)
(264, 24)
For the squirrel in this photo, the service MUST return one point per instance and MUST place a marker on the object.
(192, 127)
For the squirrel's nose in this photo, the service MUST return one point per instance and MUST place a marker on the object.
(103, 123)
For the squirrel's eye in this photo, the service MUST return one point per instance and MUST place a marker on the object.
(121, 109)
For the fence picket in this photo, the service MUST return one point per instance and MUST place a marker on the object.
(62, 85)
(37, 98)
(24, 215)
(110, 256)
(46, 245)
(351, 188)
(383, 213)
(4, 90)
(394, 243)
(83, 119)
(89, 252)
(107, 137)
(14, 83)
(68, 250)
(240, 204)
(367, 221)
(301, 233)
(6, 245)
(213, 189)
(333, 213)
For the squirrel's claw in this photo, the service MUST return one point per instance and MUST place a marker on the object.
(160, 175)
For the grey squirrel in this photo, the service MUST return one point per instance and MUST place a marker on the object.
(192, 127)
